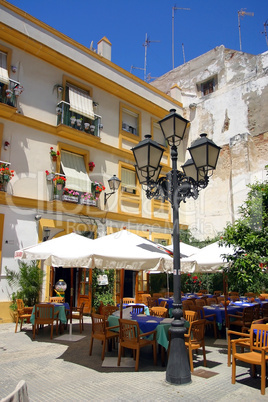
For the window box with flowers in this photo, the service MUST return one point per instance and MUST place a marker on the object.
(88, 199)
(97, 188)
(54, 154)
(59, 183)
(6, 175)
(70, 196)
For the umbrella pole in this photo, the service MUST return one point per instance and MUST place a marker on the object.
(122, 278)
(71, 300)
(225, 299)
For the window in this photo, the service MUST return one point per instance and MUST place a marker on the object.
(4, 78)
(158, 135)
(128, 181)
(74, 169)
(80, 101)
(208, 86)
(130, 121)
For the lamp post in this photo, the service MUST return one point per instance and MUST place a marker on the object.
(175, 187)
(114, 184)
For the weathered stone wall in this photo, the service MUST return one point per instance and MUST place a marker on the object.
(235, 117)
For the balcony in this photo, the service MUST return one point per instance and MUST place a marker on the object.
(9, 93)
(68, 118)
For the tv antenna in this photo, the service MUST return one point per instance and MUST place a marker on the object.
(173, 14)
(182, 45)
(265, 31)
(145, 44)
(242, 13)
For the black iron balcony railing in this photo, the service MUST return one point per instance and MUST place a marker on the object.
(9, 93)
(75, 120)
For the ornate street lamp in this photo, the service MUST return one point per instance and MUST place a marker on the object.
(175, 187)
(114, 184)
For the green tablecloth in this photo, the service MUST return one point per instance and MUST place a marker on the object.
(162, 329)
(57, 307)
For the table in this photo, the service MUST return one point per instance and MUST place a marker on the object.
(146, 324)
(232, 308)
(60, 307)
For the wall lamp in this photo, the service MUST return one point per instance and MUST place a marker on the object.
(114, 184)
(46, 233)
(175, 186)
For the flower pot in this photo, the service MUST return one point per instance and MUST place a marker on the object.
(88, 202)
(73, 120)
(91, 168)
(70, 198)
(59, 186)
(86, 125)
(17, 92)
(3, 186)
(54, 158)
(78, 122)
(50, 177)
(8, 93)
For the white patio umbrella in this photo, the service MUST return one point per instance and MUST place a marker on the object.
(186, 250)
(207, 259)
(126, 250)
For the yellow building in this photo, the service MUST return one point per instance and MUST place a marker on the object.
(58, 96)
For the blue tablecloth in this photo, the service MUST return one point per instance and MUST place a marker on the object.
(60, 307)
(169, 301)
(146, 308)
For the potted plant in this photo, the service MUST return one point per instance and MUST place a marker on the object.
(70, 195)
(18, 89)
(6, 175)
(87, 199)
(91, 166)
(97, 188)
(50, 175)
(86, 125)
(73, 120)
(54, 154)
(9, 93)
(79, 122)
(59, 183)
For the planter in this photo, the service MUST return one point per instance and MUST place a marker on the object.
(78, 122)
(54, 158)
(88, 202)
(50, 177)
(91, 168)
(70, 198)
(8, 93)
(3, 186)
(73, 120)
(59, 186)
(17, 92)
(86, 125)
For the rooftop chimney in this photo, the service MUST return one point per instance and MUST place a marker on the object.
(105, 48)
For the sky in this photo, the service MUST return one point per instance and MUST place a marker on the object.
(127, 23)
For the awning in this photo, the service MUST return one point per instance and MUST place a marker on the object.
(73, 166)
(81, 103)
(4, 78)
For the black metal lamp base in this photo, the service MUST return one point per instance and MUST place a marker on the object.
(178, 367)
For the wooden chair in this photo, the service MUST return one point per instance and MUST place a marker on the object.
(264, 310)
(209, 318)
(131, 338)
(137, 309)
(258, 354)
(250, 294)
(220, 299)
(188, 304)
(128, 300)
(190, 316)
(144, 298)
(152, 302)
(204, 291)
(77, 314)
(234, 298)
(102, 332)
(242, 320)
(57, 299)
(211, 300)
(200, 302)
(108, 310)
(157, 295)
(234, 294)
(256, 311)
(45, 314)
(159, 311)
(163, 303)
(23, 313)
(195, 339)
(217, 293)
(170, 294)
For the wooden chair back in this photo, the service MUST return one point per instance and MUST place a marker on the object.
(152, 302)
(170, 294)
(234, 294)
(250, 294)
(23, 313)
(157, 295)
(20, 304)
(159, 311)
(264, 310)
(217, 293)
(57, 299)
(205, 291)
(144, 298)
(137, 309)
(220, 299)
(211, 300)
(102, 332)
(98, 325)
(190, 316)
(128, 300)
(200, 302)
(234, 298)
(187, 305)
(108, 310)
(45, 314)
(163, 303)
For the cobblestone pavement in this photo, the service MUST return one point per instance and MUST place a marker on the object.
(57, 370)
